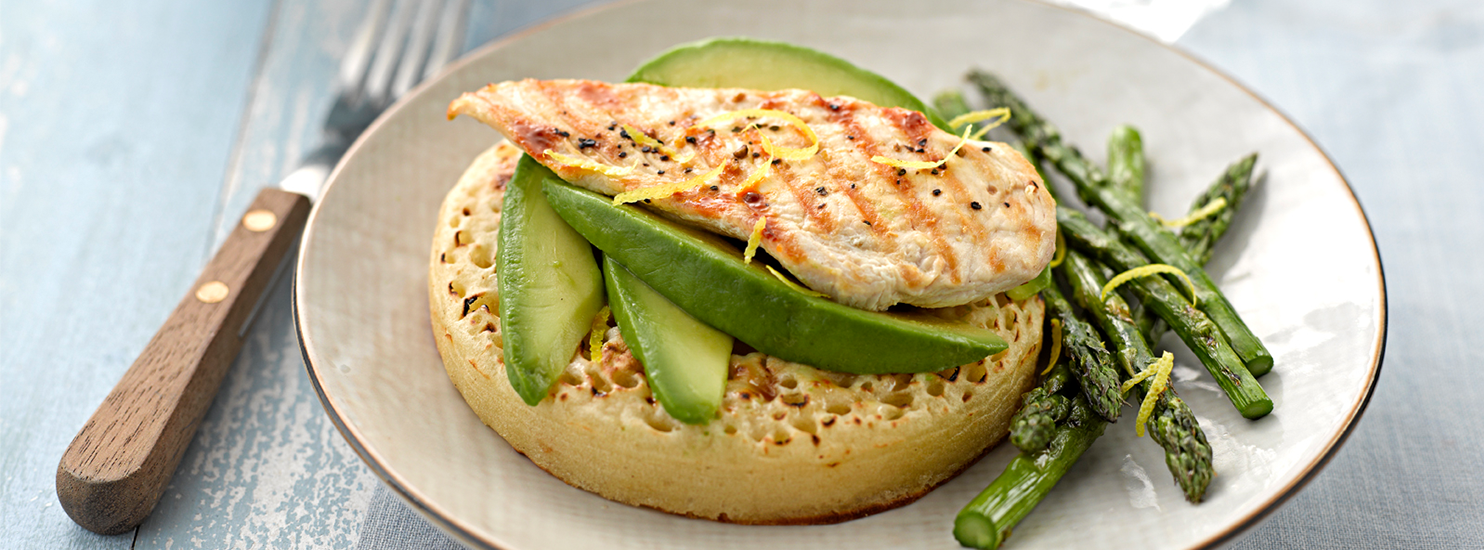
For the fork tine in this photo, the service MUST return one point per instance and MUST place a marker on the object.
(358, 57)
(388, 52)
(449, 38)
(409, 71)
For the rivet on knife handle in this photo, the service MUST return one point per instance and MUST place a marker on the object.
(117, 467)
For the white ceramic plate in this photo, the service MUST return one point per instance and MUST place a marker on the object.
(1300, 265)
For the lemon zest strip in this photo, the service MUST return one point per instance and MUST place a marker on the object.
(754, 239)
(795, 286)
(785, 153)
(586, 164)
(1161, 368)
(762, 171)
(665, 189)
(1143, 375)
(1055, 346)
(923, 164)
(1061, 251)
(1202, 213)
(595, 339)
(1003, 113)
(1146, 270)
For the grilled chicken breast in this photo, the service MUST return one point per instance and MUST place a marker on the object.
(866, 233)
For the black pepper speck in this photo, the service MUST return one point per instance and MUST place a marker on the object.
(937, 192)
(975, 205)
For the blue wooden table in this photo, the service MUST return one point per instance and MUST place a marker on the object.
(133, 134)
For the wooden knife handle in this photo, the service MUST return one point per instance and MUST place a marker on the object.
(117, 467)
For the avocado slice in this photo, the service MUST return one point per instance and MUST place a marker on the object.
(685, 360)
(733, 62)
(550, 286)
(705, 275)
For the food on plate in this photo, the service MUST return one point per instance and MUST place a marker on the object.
(1057, 423)
(739, 62)
(685, 361)
(559, 287)
(1132, 222)
(710, 278)
(789, 443)
(733, 167)
(859, 202)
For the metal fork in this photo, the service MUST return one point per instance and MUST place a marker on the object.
(119, 464)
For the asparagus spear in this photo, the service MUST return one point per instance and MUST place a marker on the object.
(1172, 425)
(987, 520)
(1126, 162)
(1148, 235)
(1194, 328)
(1199, 238)
(1033, 426)
(1091, 363)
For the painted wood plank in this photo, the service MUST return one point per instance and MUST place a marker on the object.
(267, 468)
(116, 121)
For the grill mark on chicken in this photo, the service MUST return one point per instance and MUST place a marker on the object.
(867, 210)
(923, 218)
(918, 248)
(955, 190)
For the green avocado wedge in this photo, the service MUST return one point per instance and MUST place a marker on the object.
(549, 282)
(685, 360)
(731, 62)
(705, 275)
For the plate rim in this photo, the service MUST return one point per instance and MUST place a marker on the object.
(452, 526)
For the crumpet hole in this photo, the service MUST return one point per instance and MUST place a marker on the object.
(898, 399)
(935, 387)
(481, 257)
